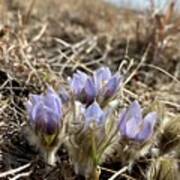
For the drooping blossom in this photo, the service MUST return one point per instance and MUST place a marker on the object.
(133, 126)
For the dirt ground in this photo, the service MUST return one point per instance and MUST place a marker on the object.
(46, 41)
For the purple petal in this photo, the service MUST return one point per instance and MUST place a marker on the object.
(94, 113)
(97, 84)
(122, 121)
(78, 82)
(131, 120)
(38, 108)
(53, 122)
(33, 113)
(35, 98)
(90, 89)
(112, 85)
(151, 118)
(147, 131)
(47, 121)
(131, 128)
(101, 76)
(135, 111)
(52, 100)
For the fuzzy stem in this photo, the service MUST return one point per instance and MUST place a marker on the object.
(105, 145)
(94, 148)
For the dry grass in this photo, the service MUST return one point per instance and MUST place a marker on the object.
(45, 42)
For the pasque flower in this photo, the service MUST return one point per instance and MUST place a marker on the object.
(87, 147)
(107, 84)
(45, 119)
(94, 114)
(83, 87)
(101, 85)
(133, 126)
(135, 131)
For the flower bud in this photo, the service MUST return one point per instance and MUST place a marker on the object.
(45, 120)
(83, 87)
(107, 85)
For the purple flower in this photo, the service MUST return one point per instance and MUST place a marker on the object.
(45, 112)
(95, 114)
(101, 84)
(83, 87)
(78, 82)
(101, 75)
(107, 84)
(133, 126)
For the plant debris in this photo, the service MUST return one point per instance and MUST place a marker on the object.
(44, 42)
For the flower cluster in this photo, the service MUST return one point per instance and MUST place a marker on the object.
(92, 127)
(87, 145)
(102, 85)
